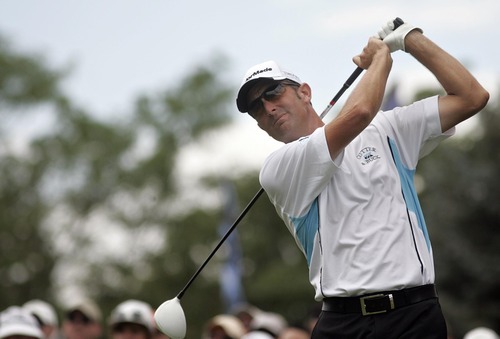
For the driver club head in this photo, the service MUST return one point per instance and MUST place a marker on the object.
(170, 319)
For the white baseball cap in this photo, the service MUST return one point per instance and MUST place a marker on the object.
(43, 310)
(230, 324)
(266, 70)
(269, 321)
(481, 333)
(17, 321)
(86, 306)
(135, 312)
(257, 335)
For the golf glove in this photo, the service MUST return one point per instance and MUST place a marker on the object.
(395, 39)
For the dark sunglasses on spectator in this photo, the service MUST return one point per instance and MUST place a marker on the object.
(271, 93)
(130, 327)
(78, 317)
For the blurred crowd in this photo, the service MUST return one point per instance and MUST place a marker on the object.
(133, 319)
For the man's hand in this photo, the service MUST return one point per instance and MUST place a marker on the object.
(372, 48)
(395, 39)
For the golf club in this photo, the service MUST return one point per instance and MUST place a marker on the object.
(170, 316)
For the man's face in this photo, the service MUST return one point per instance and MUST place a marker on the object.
(280, 108)
(129, 331)
(78, 326)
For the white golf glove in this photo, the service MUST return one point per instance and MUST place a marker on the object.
(395, 39)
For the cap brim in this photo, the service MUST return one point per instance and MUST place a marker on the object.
(18, 329)
(125, 322)
(85, 312)
(241, 99)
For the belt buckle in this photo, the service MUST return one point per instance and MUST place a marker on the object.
(363, 305)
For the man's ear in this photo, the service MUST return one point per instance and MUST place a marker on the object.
(305, 92)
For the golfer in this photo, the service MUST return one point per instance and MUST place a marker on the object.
(345, 189)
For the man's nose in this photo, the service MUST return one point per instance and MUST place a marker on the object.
(269, 106)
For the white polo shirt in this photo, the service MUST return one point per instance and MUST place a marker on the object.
(357, 219)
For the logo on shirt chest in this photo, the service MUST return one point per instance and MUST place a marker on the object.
(367, 155)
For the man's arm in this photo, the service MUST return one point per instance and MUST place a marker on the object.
(464, 95)
(364, 101)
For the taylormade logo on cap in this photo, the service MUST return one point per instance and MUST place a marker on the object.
(267, 69)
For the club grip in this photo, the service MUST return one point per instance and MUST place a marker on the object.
(397, 22)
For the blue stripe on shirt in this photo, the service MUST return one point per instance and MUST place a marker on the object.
(409, 192)
(306, 228)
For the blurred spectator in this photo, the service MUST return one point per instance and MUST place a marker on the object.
(481, 333)
(294, 333)
(132, 319)
(224, 326)
(46, 316)
(82, 320)
(157, 334)
(257, 335)
(268, 322)
(17, 323)
(246, 313)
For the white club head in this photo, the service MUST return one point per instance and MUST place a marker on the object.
(170, 319)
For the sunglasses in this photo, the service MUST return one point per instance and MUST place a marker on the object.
(130, 327)
(271, 93)
(77, 317)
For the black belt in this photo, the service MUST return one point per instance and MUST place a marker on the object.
(380, 302)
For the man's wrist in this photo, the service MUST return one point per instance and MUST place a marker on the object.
(412, 39)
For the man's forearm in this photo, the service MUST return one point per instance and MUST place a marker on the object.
(465, 96)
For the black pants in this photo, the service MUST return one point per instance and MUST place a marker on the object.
(423, 320)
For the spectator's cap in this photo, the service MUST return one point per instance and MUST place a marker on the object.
(43, 311)
(231, 325)
(481, 333)
(246, 309)
(17, 321)
(134, 312)
(270, 322)
(246, 313)
(267, 70)
(88, 308)
(258, 335)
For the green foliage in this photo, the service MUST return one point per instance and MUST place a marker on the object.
(26, 260)
(24, 80)
(85, 180)
(24, 250)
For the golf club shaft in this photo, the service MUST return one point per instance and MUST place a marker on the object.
(346, 85)
(229, 231)
(397, 22)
